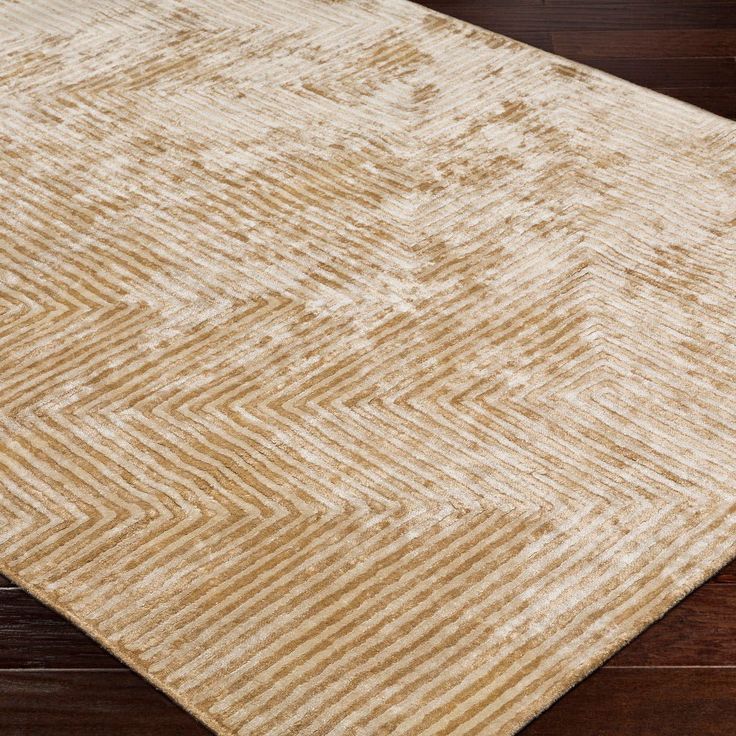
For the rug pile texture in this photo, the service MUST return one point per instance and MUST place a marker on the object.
(361, 371)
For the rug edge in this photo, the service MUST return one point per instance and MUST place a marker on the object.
(37, 592)
(700, 577)
(594, 71)
(669, 602)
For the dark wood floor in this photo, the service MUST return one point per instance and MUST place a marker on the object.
(679, 677)
(676, 679)
(683, 48)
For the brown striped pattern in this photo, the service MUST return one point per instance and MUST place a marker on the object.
(361, 372)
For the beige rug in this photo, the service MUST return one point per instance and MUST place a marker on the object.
(363, 372)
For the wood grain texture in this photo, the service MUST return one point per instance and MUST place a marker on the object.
(645, 45)
(673, 74)
(699, 631)
(645, 702)
(721, 101)
(685, 50)
(34, 636)
(96, 703)
(727, 576)
(615, 16)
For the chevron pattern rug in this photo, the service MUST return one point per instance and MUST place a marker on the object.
(362, 372)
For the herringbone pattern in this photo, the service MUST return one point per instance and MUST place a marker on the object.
(362, 372)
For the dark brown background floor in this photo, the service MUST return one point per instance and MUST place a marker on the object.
(676, 679)
(679, 677)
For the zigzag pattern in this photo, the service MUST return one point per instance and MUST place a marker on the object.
(362, 372)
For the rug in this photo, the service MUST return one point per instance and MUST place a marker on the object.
(362, 371)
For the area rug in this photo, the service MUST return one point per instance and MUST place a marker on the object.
(363, 372)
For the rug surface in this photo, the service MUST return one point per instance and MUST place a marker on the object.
(362, 372)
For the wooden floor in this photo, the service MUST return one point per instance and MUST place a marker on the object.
(683, 48)
(679, 677)
(676, 679)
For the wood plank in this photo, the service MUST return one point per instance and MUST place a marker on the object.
(701, 630)
(671, 73)
(645, 702)
(631, 5)
(727, 576)
(458, 8)
(719, 101)
(32, 635)
(5, 583)
(588, 16)
(86, 703)
(638, 44)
